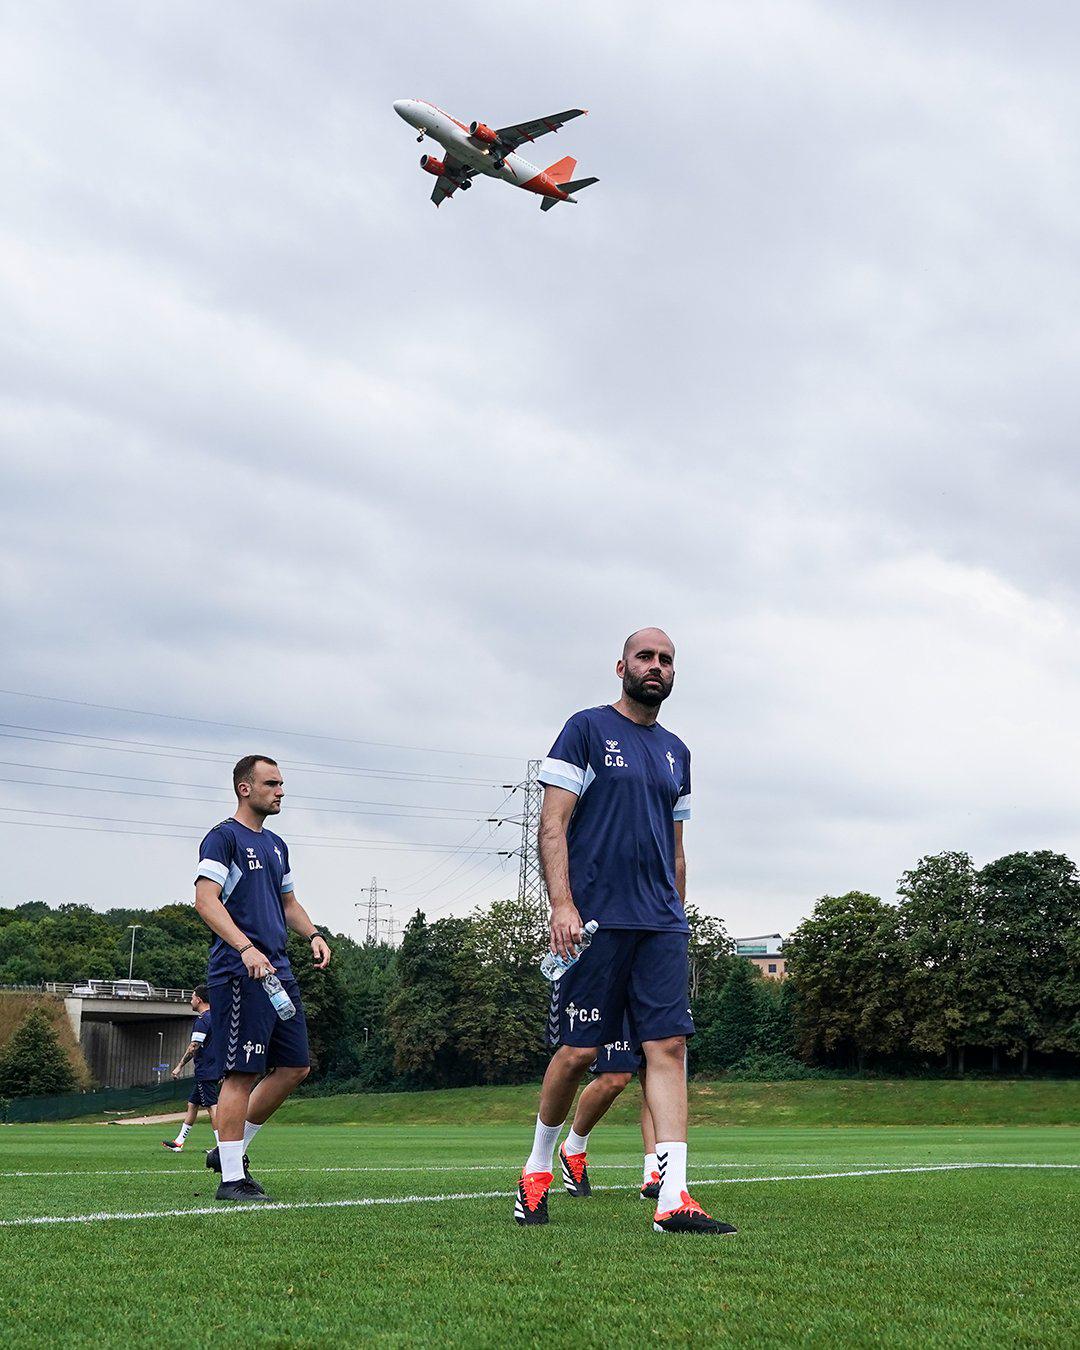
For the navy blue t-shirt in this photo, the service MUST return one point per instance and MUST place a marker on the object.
(200, 1034)
(632, 783)
(252, 869)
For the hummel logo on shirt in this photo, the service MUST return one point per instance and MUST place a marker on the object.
(613, 758)
(253, 861)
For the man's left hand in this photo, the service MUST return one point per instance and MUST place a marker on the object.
(321, 952)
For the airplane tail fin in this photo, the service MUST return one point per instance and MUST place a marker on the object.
(561, 171)
(569, 188)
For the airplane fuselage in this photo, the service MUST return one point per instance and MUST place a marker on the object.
(455, 138)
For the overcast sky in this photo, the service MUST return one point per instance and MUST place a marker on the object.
(286, 447)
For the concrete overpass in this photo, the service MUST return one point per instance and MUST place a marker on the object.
(123, 1037)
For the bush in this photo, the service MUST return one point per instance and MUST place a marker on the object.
(759, 1068)
(34, 1063)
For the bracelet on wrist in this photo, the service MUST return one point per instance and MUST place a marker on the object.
(313, 936)
(241, 950)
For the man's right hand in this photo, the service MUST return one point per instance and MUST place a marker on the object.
(566, 929)
(256, 964)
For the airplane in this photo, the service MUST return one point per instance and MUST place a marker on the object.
(477, 149)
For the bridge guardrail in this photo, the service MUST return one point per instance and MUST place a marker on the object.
(111, 989)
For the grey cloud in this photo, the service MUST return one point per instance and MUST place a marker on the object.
(286, 446)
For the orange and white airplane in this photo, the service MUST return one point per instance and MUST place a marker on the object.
(477, 149)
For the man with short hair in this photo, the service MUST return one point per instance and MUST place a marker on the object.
(204, 1090)
(616, 794)
(244, 892)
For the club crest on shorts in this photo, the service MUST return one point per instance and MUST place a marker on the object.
(582, 1015)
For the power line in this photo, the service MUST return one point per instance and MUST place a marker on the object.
(215, 801)
(242, 726)
(391, 846)
(118, 745)
(216, 787)
(469, 890)
(456, 870)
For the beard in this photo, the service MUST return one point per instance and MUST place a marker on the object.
(650, 695)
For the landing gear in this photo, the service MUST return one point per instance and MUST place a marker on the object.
(465, 185)
(420, 137)
(497, 165)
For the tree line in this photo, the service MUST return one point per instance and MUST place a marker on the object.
(968, 968)
(982, 961)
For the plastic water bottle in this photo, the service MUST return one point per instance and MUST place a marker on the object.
(283, 1004)
(554, 967)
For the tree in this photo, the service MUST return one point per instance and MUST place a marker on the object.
(1030, 907)
(776, 1018)
(711, 953)
(711, 962)
(323, 998)
(731, 1034)
(422, 1013)
(33, 1063)
(949, 977)
(847, 966)
(503, 1001)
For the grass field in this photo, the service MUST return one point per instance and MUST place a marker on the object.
(402, 1233)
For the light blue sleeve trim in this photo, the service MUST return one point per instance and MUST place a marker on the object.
(212, 870)
(558, 773)
(230, 882)
(286, 883)
(682, 808)
(198, 1037)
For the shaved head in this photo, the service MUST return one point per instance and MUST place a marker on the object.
(645, 636)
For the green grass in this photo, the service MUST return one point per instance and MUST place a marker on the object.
(957, 1258)
(836, 1102)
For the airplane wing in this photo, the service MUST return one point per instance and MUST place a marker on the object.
(444, 187)
(521, 132)
(448, 183)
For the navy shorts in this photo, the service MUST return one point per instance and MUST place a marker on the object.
(621, 1056)
(248, 1036)
(204, 1092)
(631, 984)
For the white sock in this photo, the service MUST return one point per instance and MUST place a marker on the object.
(576, 1143)
(216, 1139)
(232, 1159)
(650, 1168)
(543, 1149)
(250, 1131)
(184, 1129)
(671, 1164)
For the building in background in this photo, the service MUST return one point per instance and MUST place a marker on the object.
(765, 952)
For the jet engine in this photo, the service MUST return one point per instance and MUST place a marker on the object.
(483, 133)
(430, 164)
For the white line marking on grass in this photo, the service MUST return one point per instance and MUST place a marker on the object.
(187, 1174)
(274, 1206)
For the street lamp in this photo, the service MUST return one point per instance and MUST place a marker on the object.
(131, 962)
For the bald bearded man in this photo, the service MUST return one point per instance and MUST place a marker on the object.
(616, 794)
